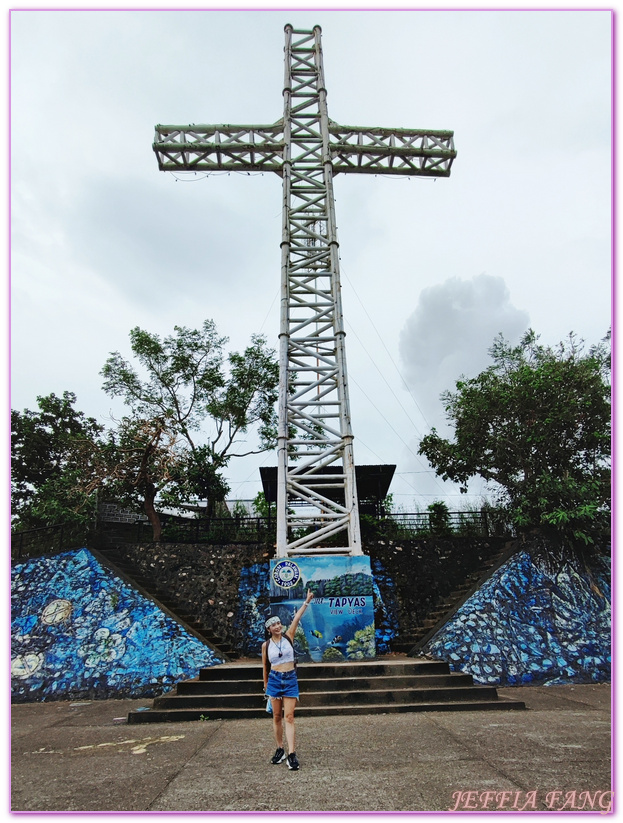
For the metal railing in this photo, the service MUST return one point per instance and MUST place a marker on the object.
(413, 524)
(245, 529)
(240, 529)
(47, 540)
(236, 529)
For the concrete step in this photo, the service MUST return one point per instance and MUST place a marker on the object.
(308, 685)
(327, 699)
(405, 646)
(228, 650)
(234, 691)
(444, 609)
(177, 715)
(371, 668)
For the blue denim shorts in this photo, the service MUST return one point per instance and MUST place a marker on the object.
(282, 684)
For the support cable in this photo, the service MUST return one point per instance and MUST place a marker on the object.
(387, 350)
(417, 431)
(417, 457)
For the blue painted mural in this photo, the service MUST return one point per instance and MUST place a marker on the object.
(339, 625)
(385, 607)
(79, 631)
(253, 608)
(527, 625)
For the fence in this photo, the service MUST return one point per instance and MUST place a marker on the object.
(219, 530)
(484, 523)
(211, 530)
(239, 529)
(229, 530)
(47, 540)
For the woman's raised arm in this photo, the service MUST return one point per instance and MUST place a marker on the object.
(295, 620)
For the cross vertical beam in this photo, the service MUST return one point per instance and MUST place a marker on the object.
(314, 413)
(317, 494)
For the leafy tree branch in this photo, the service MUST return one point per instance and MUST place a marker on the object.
(537, 424)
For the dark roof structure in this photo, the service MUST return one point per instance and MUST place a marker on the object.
(372, 482)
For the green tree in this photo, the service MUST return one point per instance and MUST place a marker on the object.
(387, 505)
(53, 463)
(263, 507)
(196, 477)
(536, 423)
(439, 518)
(205, 405)
(140, 460)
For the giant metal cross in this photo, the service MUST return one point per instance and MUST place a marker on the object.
(317, 494)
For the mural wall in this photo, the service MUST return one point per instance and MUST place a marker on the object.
(528, 625)
(79, 631)
(386, 606)
(254, 608)
(339, 624)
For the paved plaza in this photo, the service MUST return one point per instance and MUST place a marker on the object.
(82, 756)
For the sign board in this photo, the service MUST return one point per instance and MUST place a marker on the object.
(339, 623)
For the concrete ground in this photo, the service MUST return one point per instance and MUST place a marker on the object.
(82, 756)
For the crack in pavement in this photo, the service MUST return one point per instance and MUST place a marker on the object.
(202, 744)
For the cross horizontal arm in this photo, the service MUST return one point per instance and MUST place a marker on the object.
(219, 148)
(414, 152)
(353, 149)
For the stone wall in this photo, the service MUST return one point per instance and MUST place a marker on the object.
(204, 579)
(418, 574)
(215, 582)
(112, 513)
(78, 631)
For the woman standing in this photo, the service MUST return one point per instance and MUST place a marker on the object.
(281, 684)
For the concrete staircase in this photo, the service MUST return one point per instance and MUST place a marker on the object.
(234, 691)
(414, 641)
(136, 578)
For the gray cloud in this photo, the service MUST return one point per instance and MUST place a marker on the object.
(449, 333)
(149, 239)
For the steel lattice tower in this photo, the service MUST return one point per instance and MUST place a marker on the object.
(315, 442)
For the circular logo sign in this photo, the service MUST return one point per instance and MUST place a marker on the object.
(286, 574)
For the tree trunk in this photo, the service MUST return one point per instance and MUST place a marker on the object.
(152, 514)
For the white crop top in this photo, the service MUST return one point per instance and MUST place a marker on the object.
(285, 647)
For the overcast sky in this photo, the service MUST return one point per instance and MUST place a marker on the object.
(519, 236)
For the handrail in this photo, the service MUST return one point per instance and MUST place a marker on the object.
(62, 536)
(241, 529)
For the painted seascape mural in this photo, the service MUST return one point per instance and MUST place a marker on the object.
(527, 625)
(78, 631)
(340, 624)
(254, 607)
